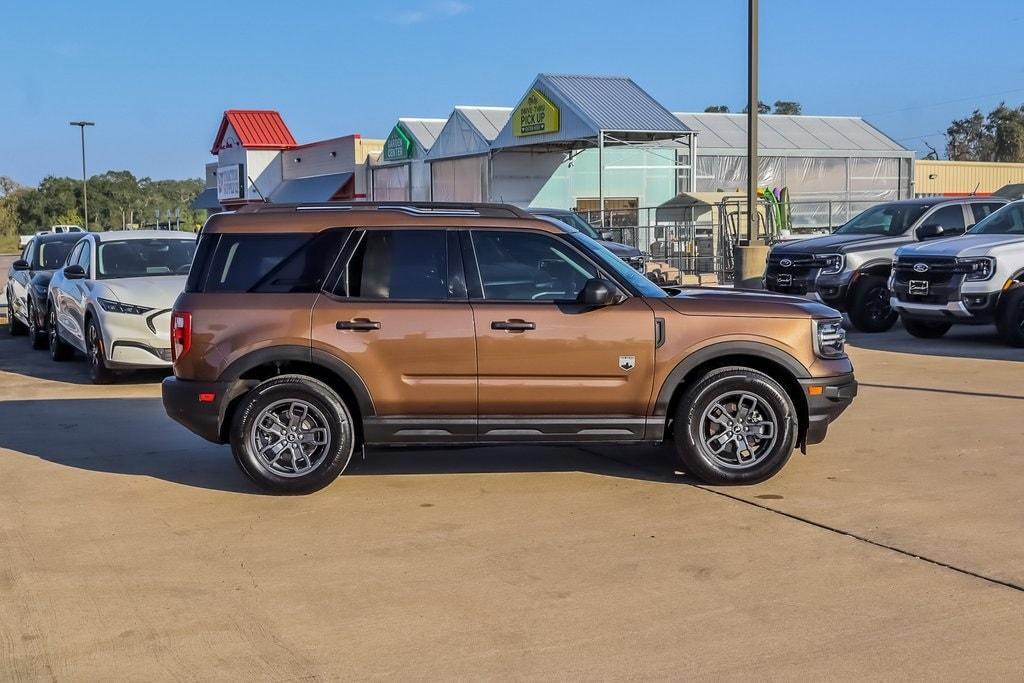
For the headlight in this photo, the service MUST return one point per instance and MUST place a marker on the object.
(831, 263)
(118, 307)
(829, 338)
(980, 268)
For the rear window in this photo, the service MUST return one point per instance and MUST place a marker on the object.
(277, 263)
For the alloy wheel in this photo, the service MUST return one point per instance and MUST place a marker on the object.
(738, 430)
(290, 437)
(877, 303)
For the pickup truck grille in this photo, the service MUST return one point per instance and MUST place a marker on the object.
(791, 274)
(927, 279)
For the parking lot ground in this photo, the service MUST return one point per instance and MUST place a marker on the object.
(131, 549)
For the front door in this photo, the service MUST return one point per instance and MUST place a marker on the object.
(547, 364)
(406, 328)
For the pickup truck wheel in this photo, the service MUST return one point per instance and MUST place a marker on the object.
(59, 349)
(735, 426)
(292, 434)
(869, 308)
(926, 329)
(1010, 320)
(15, 327)
(36, 336)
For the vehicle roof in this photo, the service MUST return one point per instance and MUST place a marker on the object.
(277, 218)
(930, 201)
(59, 237)
(552, 212)
(119, 235)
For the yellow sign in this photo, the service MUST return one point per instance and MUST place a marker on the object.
(536, 114)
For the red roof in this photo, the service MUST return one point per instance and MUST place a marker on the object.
(256, 129)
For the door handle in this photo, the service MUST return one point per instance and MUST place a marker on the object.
(358, 324)
(514, 325)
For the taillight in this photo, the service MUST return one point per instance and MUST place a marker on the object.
(181, 334)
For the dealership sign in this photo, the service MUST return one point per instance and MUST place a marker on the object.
(398, 146)
(536, 114)
(230, 183)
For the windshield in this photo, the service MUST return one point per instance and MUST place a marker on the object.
(1008, 220)
(574, 220)
(51, 255)
(884, 219)
(144, 258)
(622, 269)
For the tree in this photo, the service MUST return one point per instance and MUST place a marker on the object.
(997, 136)
(762, 108)
(788, 107)
(717, 109)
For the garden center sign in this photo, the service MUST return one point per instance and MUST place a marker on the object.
(398, 146)
(536, 114)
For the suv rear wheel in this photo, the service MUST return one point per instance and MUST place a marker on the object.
(1010, 320)
(735, 426)
(869, 308)
(926, 329)
(292, 434)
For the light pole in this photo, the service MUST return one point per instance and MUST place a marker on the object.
(750, 252)
(85, 187)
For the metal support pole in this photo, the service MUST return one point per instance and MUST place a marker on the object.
(752, 104)
(693, 163)
(85, 186)
(600, 174)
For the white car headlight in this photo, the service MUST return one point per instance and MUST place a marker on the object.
(830, 263)
(118, 307)
(977, 269)
(829, 338)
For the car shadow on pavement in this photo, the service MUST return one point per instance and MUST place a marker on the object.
(962, 341)
(133, 436)
(17, 358)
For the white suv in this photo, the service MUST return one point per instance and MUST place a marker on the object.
(976, 278)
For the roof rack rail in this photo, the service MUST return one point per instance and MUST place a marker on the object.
(488, 210)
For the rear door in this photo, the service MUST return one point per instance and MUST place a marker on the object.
(549, 367)
(399, 316)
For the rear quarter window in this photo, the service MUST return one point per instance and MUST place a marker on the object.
(266, 263)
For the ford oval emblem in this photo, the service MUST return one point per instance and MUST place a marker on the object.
(920, 267)
(785, 263)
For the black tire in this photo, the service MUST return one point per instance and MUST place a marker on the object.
(36, 337)
(1010, 319)
(869, 308)
(15, 327)
(96, 355)
(696, 420)
(926, 329)
(326, 412)
(59, 349)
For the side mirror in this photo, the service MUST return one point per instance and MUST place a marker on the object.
(598, 292)
(929, 232)
(21, 264)
(606, 235)
(74, 272)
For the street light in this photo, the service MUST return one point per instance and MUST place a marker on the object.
(85, 188)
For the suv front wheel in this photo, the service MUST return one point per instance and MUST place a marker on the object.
(735, 426)
(292, 434)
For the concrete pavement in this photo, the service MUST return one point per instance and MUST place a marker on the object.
(132, 549)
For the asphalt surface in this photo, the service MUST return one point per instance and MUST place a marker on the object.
(131, 549)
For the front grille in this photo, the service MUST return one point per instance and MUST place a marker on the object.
(796, 276)
(942, 275)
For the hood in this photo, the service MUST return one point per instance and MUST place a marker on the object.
(620, 250)
(152, 292)
(746, 303)
(973, 245)
(827, 244)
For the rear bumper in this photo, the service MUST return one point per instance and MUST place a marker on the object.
(205, 418)
(836, 394)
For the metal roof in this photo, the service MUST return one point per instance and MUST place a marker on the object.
(591, 104)
(469, 131)
(782, 135)
(256, 129)
(319, 188)
(425, 131)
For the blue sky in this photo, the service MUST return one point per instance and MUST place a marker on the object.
(156, 76)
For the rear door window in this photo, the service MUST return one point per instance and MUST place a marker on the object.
(982, 209)
(950, 217)
(398, 264)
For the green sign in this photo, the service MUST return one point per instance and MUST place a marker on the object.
(398, 146)
(536, 114)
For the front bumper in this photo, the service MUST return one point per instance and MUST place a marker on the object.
(137, 341)
(969, 308)
(203, 417)
(827, 398)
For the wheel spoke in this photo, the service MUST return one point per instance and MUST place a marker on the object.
(743, 407)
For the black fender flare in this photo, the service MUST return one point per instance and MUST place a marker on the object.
(720, 350)
(871, 265)
(304, 354)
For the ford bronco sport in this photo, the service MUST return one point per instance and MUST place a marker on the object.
(308, 332)
(850, 268)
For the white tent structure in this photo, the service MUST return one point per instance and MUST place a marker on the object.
(400, 173)
(460, 156)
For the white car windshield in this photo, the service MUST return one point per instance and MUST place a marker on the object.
(1008, 220)
(144, 258)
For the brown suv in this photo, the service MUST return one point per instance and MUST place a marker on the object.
(307, 332)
